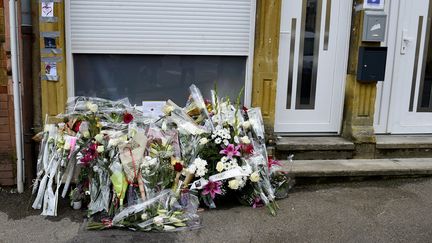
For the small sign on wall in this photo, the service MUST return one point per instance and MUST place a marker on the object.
(51, 71)
(373, 4)
(47, 9)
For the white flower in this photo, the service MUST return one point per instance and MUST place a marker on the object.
(61, 125)
(233, 164)
(86, 134)
(99, 138)
(254, 177)
(220, 166)
(100, 149)
(233, 184)
(67, 146)
(203, 141)
(227, 165)
(218, 140)
(158, 220)
(192, 168)
(225, 142)
(246, 125)
(224, 159)
(245, 140)
(242, 181)
(92, 107)
(200, 165)
(167, 109)
(144, 216)
(236, 139)
(113, 142)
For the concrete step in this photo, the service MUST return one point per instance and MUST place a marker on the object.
(361, 167)
(314, 148)
(403, 146)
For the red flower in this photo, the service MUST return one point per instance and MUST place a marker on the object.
(247, 148)
(178, 167)
(76, 126)
(127, 117)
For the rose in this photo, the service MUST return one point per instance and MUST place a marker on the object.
(203, 141)
(92, 107)
(127, 118)
(219, 166)
(245, 140)
(233, 184)
(100, 149)
(76, 126)
(99, 138)
(178, 167)
(246, 125)
(254, 177)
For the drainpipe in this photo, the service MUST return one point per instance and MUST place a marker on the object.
(16, 94)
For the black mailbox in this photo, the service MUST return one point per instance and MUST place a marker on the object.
(371, 64)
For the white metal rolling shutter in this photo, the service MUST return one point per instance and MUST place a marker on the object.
(194, 27)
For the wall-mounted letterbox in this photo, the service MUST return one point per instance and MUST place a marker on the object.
(374, 26)
(371, 64)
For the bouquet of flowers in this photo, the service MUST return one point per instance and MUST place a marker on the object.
(146, 174)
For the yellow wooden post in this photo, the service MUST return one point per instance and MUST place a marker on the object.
(266, 58)
(54, 93)
(359, 97)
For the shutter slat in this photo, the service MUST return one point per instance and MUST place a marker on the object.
(212, 27)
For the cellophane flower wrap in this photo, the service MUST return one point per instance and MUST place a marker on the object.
(134, 171)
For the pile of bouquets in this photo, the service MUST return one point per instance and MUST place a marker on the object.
(148, 173)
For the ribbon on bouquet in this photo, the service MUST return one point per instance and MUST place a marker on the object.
(235, 172)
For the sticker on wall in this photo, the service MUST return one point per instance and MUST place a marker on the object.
(50, 42)
(50, 46)
(47, 12)
(50, 65)
(47, 9)
(51, 71)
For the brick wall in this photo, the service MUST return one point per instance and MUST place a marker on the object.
(7, 161)
(7, 140)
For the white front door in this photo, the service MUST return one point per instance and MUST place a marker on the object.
(411, 96)
(313, 56)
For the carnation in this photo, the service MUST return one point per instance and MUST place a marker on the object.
(200, 165)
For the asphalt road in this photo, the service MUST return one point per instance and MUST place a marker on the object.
(398, 210)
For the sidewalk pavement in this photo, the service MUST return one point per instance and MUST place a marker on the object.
(361, 167)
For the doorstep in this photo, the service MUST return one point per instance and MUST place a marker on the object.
(318, 147)
(361, 167)
(403, 146)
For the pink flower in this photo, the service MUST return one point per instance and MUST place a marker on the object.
(213, 188)
(272, 162)
(257, 203)
(231, 151)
